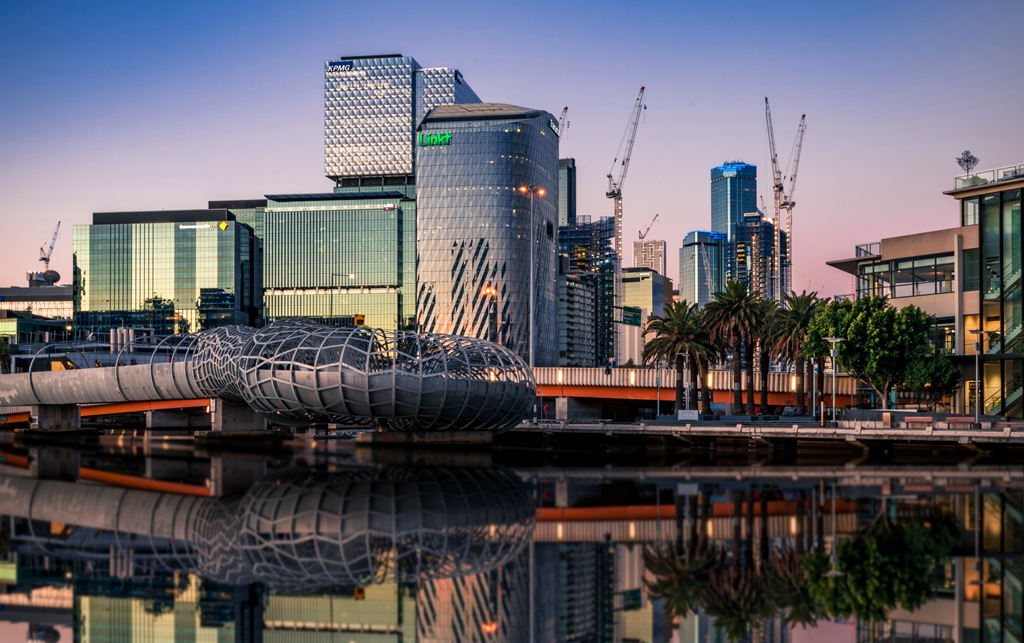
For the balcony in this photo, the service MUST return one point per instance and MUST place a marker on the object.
(869, 249)
(985, 177)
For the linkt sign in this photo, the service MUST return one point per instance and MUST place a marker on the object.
(435, 139)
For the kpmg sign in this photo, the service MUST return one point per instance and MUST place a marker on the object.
(435, 139)
(339, 65)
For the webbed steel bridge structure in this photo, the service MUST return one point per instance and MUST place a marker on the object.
(299, 372)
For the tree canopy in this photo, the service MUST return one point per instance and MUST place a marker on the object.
(879, 340)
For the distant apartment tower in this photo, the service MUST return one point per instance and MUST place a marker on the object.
(566, 192)
(650, 255)
(753, 255)
(588, 247)
(372, 106)
(733, 195)
(702, 260)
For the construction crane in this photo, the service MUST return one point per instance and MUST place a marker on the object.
(563, 125)
(643, 233)
(777, 189)
(45, 252)
(707, 268)
(788, 202)
(615, 183)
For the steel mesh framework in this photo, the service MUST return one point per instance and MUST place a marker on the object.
(396, 379)
(300, 371)
(304, 533)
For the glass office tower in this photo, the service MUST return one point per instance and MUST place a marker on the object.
(733, 194)
(372, 105)
(702, 266)
(474, 224)
(170, 271)
(337, 257)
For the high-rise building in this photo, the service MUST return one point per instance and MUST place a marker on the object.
(733, 194)
(646, 289)
(487, 183)
(566, 192)
(753, 257)
(171, 271)
(702, 266)
(372, 106)
(591, 257)
(649, 254)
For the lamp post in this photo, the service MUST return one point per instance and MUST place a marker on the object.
(834, 572)
(532, 190)
(979, 339)
(492, 292)
(835, 367)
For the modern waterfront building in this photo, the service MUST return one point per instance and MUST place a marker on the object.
(54, 302)
(702, 260)
(170, 271)
(372, 106)
(969, 278)
(649, 254)
(487, 182)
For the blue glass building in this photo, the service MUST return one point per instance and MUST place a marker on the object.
(702, 260)
(474, 228)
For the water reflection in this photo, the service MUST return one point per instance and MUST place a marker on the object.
(396, 552)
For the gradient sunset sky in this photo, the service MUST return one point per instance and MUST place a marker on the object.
(111, 106)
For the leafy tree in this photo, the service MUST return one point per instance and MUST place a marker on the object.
(787, 588)
(883, 567)
(879, 340)
(967, 161)
(932, 376)
(731, 316)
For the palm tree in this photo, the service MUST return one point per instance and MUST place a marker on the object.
(731, 316)
(765, 340)
(677, 336)
(793, 321)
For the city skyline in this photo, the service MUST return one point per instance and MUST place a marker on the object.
(127, 107)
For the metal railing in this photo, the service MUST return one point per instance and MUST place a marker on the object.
(985, 177)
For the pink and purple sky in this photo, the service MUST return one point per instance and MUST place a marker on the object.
(146, 106)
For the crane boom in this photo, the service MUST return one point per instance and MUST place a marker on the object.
(45, 252)
(788, 201)
(563, 125)
(776, 268)
(643, 233)
(615, 192)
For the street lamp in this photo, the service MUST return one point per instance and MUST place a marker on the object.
(835, 367)
(492, 292)
(977, 372)
(532, 190)
(834, 572)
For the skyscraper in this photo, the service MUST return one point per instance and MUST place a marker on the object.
(372, 106)
(477, 230)
(702, 266)
(566, 192)
(733, 194)
(650, 255)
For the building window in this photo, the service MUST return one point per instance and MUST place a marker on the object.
(910, 277)
(969, 212)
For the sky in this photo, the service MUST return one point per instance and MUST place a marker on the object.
(120, 106)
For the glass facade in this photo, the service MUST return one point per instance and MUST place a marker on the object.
(909, 277)
(55, 302)
(588, 247)
(331, 257)
(645, 288)
(371, 108)
(171, 272)
(566, 192)
(702, 262)
(733, 194)
(474, 224)
(753, 252)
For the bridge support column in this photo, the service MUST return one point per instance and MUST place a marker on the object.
(177, 419)
(567, 408)
(55, 416)
(226, 416)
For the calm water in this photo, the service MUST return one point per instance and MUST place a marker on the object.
(318, 541)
